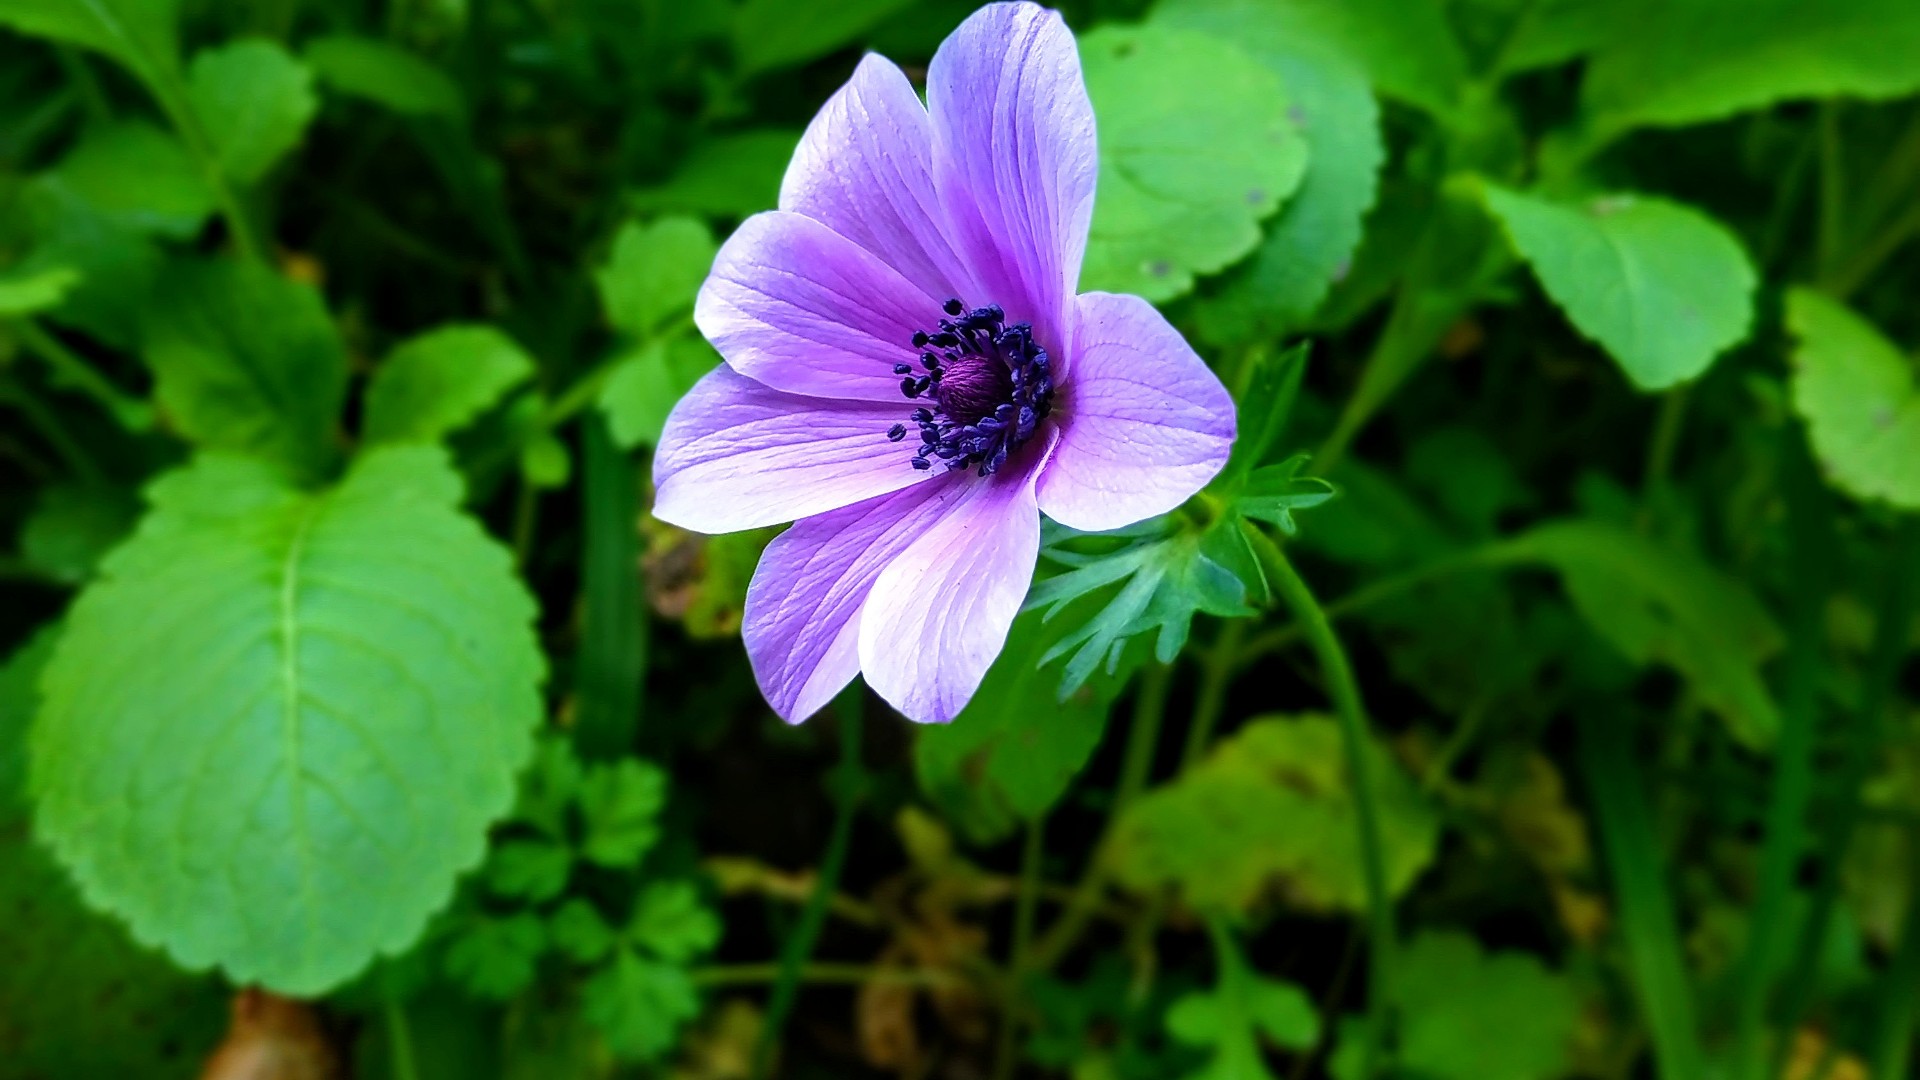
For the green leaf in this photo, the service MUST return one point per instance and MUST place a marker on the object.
(1553, 32)
(436, 383)
(72, 527)
(32, 291)
(620, 806)
(578, 930)
(1859, 396)
(386, 75)
(647, 382)
(1690, 61)
(139, 177)
(1273, 493)
(116, 264)
(1271, 811)
(670, 921)
(1011, 753)
(319, 702)
(1196, 147)
(137, 33)
(496, 957)
(729, 176)
(771, 34)
(254, 100)
(76, 997)
(1467, 1014)
(1313, 238)
(1663, 287)
(653, 273)
(638, 1005)
(246, 360)
(1242, 1006)
(1656, 605)
(550, 785)
(535, 870)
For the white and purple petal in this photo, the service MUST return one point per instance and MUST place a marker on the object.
(1015, 159)
(736, 454)
(1143, 425)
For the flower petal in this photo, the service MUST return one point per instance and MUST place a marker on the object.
(1014, 158)
(739, 455)
(1143, 423)
(803, 309)
(938, 615)
(865, 169)
(802, 616)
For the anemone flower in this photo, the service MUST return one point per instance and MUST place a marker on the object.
(912, 378)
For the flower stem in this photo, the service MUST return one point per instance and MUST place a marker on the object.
(813, 917)
(1025, 907)
(69, 369)
(399, 1042)
(1345, 692)
(1216, 678)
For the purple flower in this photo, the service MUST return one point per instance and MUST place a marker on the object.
(912, 379)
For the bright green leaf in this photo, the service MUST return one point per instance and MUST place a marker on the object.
(728, 176)
(647, 382)
(385, 74)
(1663, 287)
(670, 921)
(653, 273)
(319, 703)
(578, 930)
(246, 360)
(1859, 396)
(550, 784)
(254, 100)
(436, 383)
(1010, 754)
(535, 870)
(1273, 493)
(496, 957)
(1196, 147)
(1271, 810)
(139, 177)
(32, 291)
(1690, 61)
(138, 33)
(770, 34)
(620, 807)
(1230, 1019)
(545, 461)
(638, 1005)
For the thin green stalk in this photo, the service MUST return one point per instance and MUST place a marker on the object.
(1893, 1032)
(48, 425)
(171, 95)
(1853, 273)
(1831, 237)
(1345, 692)
(1812, 544)
(1215, 679)
(1143, 741)
(822, 975)
(612, 662)
(849, 788)
(526, 516)
(1660, 448)
(1637, 866)
(86, 85)
(400, 1043)
(71, 370)
(1026, 904)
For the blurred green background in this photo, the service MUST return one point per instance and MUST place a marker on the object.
(357, 720)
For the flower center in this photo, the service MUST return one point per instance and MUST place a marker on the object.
(987, 384)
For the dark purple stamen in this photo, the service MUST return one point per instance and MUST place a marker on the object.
(990, 385)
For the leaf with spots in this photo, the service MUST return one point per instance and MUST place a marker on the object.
(1196, 147)
(319, 702)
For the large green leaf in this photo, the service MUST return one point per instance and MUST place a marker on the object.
(1272, 810)
(1196, 147)
(139, 177)
(1010, 754)
(76, 997)
(317, 703)
(385, 74)
(436, 383)
(246, 360)
(1663, 287)
(769, 34)
(1311, 240)
(254, 100)
(1688, 61)
(1657, 605)
(1859, 396)
(654, 272)
(139, 33)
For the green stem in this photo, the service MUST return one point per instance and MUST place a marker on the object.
(1850, 275)
(1025, 906)
(86, 85)
(170, 93)
(1893, 1035)
(1833, 182)
(44, 421)
(71, 370)
(1215, 680)
(400, 1043)
(1149, 708)
(1660, 448)
(1345, 692)
(822, 975)
(849, 784)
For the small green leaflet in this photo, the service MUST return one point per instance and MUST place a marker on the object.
(619, 804)
(28, 292)
(653, 273)
(727, 176)
(138, 33)
(1243, 1006)
(639, 1001)
(1860, 397)
(1663, 287)
(1196, 147)
(254, 101)
(385, 74)
(647, 382)
(496, 957)
(531, 870)
(139, 178)
(323, 698)
(436, 383)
